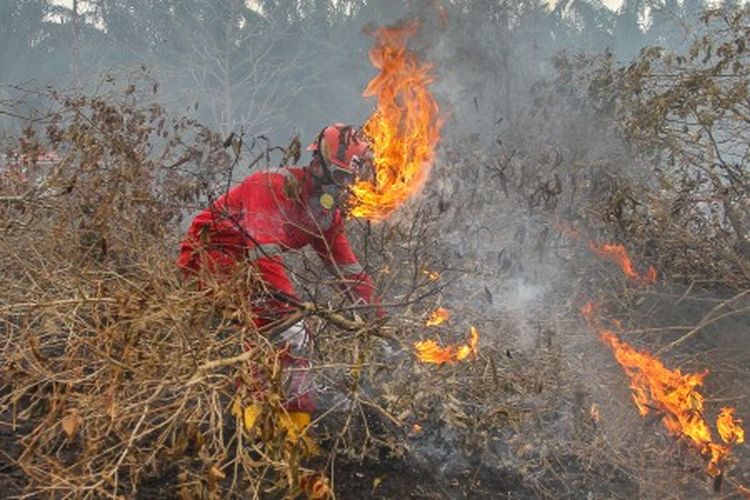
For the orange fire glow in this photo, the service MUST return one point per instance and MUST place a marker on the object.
(429, 351)
(730, 430)
(618, 255)
(438, 317)
(568, 230)
(470, 347)
(431, 275)
(676, 395)
(594, 412)
(404, 129)
(588, 311)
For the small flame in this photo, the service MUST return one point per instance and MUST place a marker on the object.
(431, 275)
(618, 255)
(730, 430)
(612, 252)
(404, 129)
(595, 416)
(470, 347)
(429, 351)
(438, 317)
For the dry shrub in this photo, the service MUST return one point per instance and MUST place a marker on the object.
(683, 196)
(118, 375)
(115, 372)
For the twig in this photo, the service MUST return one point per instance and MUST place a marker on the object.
(55, 303)
(707, 320)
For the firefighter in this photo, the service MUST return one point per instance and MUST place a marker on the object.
(272, 212)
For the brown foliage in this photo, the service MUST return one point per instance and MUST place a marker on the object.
(108, 360)
(685, 117)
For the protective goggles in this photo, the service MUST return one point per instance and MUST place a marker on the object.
(360, 169)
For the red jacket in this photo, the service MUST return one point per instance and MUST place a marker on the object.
(263, 217)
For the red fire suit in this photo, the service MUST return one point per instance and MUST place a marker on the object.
(266, 215)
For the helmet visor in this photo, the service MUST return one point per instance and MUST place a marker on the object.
(360, 169)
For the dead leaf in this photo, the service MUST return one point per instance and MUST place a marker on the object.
(316, 487)
(215, 474)
(71, 422)
(237, 147)
(250, 416)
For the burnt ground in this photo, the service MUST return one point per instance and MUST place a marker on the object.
(403, 478)
(12, 480)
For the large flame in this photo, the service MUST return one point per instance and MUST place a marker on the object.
(673, 394)
(656, 388)
(404, 129)
(429, 351)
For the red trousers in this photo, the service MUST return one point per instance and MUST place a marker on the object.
(293, 344)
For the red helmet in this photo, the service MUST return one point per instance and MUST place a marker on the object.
(344, 152)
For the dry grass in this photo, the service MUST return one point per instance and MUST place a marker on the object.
(118, 377)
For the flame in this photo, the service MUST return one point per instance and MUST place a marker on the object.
(613, 252)
(618, 255)
(404, 128)
(595, 415)
(676, 395)
(431, 275)
(730, 430)
(429, 351)
(470, 347)
(588, 311)
(438, 316)
(672, 394)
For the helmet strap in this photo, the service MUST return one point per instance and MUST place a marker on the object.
(326, 178)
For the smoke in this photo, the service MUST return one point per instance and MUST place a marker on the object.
(518, 154)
